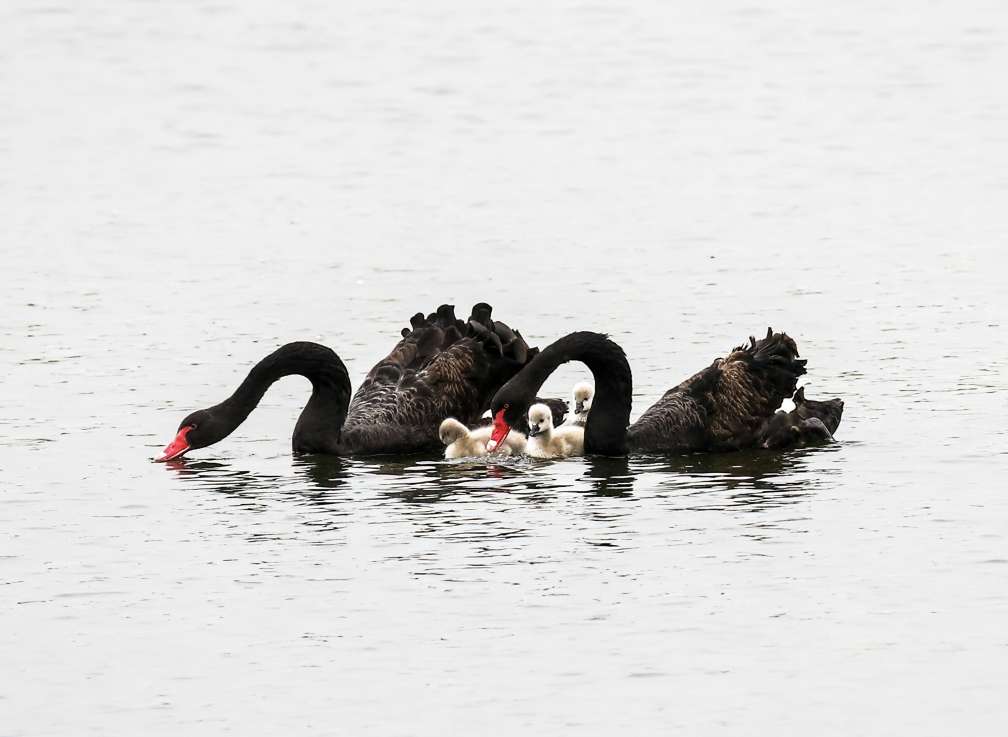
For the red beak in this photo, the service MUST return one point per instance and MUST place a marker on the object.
(176, 447)
(500, 431)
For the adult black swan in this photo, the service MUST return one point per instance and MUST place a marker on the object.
(442, 367)
(723, 407)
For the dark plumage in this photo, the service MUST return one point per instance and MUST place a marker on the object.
(442, 367)
(829, 411)
(809, 422)
(558, 408)
(723, 407)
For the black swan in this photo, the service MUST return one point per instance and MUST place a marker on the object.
(723, 407)
(442, 367)
(809, 422)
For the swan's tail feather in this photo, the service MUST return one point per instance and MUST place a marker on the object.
(491, 342)
(505, 333)
(451, 327)
(481, 314)
(445, 315)
(514, 346)
(517, 349)
(424, 339)
(497, 338)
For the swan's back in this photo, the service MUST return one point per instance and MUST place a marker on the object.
(442, 367)
(724, 406)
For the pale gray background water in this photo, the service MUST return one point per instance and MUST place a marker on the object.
(184, 186)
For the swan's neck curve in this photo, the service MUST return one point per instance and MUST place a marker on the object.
(319, 425)
(606, 426)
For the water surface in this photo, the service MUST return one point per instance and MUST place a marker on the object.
(186, 186)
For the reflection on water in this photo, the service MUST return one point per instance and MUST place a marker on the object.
(748, 480)
(325, 472)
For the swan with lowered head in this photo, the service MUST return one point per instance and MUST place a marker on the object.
(808, 423)
(545, 441)
(722, 407)
(461, 442)
(442, 367)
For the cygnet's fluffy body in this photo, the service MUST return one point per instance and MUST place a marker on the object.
(581, 402)
(461, 442)
(545, 441)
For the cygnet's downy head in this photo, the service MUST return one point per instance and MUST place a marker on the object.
(583, 394)
(452, 430)
(540, 419)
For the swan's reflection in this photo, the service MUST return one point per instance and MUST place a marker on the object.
(222, 478)
(253, 489)
(323, 472)
(750, 480)
(609, 476)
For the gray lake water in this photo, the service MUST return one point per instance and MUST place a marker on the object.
(185, 186)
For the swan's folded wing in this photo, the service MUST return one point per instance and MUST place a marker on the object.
(676, 423)
(723, 406)
(441, 368)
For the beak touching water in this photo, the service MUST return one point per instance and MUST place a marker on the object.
(176, 447)
(499, 433)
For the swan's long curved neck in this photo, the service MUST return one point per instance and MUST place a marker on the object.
(605, 431)
(318, 427)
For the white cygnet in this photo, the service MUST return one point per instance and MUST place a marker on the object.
(545, 441)
(462, 442)
(581, 402)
